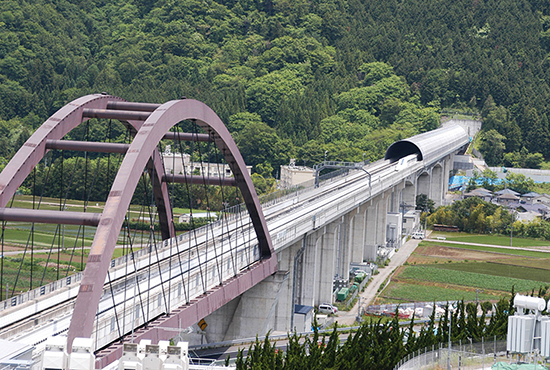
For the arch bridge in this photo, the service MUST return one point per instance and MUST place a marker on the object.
(243, 273)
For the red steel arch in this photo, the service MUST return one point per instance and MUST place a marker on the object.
(55, 128)
(140, 151)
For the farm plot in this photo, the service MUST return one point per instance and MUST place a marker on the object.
(444, 271)
(407, 292)
(500, 269)
(489, 249)
(469, 279)
(491, 239)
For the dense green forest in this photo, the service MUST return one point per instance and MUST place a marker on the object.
(290, 78)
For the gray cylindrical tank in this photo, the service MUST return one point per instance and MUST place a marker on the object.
(529, 303)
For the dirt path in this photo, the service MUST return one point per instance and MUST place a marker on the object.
(370, 292)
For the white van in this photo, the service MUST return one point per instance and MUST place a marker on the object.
(418, 235)
(327, 309)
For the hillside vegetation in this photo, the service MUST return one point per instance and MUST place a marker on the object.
(290, 78)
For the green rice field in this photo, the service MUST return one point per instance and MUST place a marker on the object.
(470, 279)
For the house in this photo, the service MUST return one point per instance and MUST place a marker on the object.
(507, 198)
(529, 212)
(506, 191)
(482, 193)
(544, 199)
(530, 198)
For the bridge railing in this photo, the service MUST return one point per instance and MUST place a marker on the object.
(341, 205)
(230, 214)
(236, 213)
(65, 283)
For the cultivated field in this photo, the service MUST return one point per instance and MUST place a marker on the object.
(441, 271)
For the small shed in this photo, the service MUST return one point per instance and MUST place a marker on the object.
(186, 217)
(303, 318)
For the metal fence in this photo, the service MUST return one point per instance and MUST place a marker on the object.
(460, 355)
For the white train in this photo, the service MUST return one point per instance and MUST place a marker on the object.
(406, 161)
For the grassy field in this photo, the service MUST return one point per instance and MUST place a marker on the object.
(491, 239)
(443, 271)
(406, 292)
(469, 279)
(26, 201)
(495, 249)
(500, 269)
(46, 237)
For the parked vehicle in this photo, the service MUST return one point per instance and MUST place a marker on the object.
(327, 308)
(418, 235)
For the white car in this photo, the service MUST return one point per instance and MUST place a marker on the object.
(326, 309)
(418, 235)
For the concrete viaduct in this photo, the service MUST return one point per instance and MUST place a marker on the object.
(316, 233)
(316, 243)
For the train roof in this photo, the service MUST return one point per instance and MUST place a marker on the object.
(430, 145)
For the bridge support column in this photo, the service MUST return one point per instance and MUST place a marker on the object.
(408, 195)
(357, 235)
(423, 184)
(448, 167)
(383, 206)
(311, 263)
(287, 259)
(370, 248)
(437, 184)
(251, 314)
(327, 265)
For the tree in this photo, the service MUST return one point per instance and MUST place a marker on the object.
(489, 179)
(492, 146)
(260, 144)
(519, 182)
(423, 203)
(266, 93)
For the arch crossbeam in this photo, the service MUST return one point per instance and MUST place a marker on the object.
(143, 147)
(149, 124)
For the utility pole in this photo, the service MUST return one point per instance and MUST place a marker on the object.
(449, 354)
(511, 225)
(426, 220)
(478, 291)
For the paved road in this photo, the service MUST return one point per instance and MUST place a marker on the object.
(370, 292)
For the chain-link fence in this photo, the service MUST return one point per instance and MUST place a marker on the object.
(467, 356)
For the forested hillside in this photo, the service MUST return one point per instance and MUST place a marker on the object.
(290, 78)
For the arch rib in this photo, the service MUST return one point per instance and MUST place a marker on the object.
(55, 128)
(136, 158)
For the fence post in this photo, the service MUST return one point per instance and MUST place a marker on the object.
(482, 353)
(495, 350)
